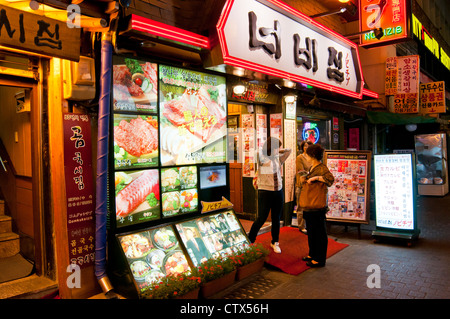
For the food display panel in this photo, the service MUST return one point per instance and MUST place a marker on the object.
(135, 85)
(211, 236)
(135, 141)
(137, 196)
(193, 117)
(179, 190)
(348, 196)
(153, 254)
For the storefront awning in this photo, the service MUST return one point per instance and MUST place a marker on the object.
(396, 118)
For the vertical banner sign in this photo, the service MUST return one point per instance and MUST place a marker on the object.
(432, 97)
(394, 191)
(79, 188)
(391, 15)
(290, 139)
(406, 99)
(248, 133)
(391, 76)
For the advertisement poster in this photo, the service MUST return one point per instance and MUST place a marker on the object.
(432, 97)
(135, 141)
(179, 190)
(153, 254)
(406, 99)
(80, 193)
(394, 190)
(135, 85)
(248, 148)
(349, 195)
(276, 126)
(212, 236)
(193, 117)
(261, 130)
(137, 196)
(290, 140)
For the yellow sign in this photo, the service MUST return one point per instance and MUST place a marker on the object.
(212, 206)
(432, 97)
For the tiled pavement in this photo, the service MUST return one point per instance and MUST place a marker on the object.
(421, 271)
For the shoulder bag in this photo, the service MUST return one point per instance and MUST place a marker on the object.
(313, 196)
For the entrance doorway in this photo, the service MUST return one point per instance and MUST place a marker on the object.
(17, 236)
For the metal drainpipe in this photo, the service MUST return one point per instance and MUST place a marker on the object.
(102, 165)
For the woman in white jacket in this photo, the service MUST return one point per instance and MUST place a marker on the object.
(270, 189)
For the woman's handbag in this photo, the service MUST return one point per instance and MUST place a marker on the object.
(313, 196)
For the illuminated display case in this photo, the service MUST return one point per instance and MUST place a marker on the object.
(395, 196)
(432, 166)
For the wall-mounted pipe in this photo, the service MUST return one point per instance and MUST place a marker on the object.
(101, 210)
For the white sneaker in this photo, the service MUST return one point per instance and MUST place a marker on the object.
(276, 247)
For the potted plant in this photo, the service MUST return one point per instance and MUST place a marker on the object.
(216, 274)
(174, 286)
(249, 260)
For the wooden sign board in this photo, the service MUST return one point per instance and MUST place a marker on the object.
(39, 34)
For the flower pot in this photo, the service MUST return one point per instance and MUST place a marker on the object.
(214, 286)
(249, 269)
(193, 294)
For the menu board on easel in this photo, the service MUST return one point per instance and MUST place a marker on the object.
(348, 197)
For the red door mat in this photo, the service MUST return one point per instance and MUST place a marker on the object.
(294, 246)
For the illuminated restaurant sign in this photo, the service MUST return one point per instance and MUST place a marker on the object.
(39, 34)
(425, 37)
(391, 15)
(273, 38)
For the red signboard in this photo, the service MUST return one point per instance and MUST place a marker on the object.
(79, 189)
(391, 15)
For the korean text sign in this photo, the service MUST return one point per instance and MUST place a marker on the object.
(23, 30)
(391, 15)
(402, 81)
(79, 188)
(432, 97)
(270, 37)
(394, 191)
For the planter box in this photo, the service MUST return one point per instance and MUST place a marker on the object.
(193, 294)
(212, 287)
(250, 269)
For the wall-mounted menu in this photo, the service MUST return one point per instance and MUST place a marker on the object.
(153, 254)
(348, 196)
(137, 196)
(211, 236)
(394, 190)
(179, 190)
(135, 85)
(192, 116)
(135, 141)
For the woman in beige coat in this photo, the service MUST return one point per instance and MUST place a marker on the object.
(302, 167)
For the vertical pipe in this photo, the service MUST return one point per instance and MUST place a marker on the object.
(102, 163)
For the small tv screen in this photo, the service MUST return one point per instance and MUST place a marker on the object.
(213, 176)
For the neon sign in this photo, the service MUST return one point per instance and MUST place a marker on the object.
(391, 15)
(311, 132)
(425, 37)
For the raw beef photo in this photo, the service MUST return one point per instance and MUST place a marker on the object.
(137, 136)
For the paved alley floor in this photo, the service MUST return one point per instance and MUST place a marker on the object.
(421, 271)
